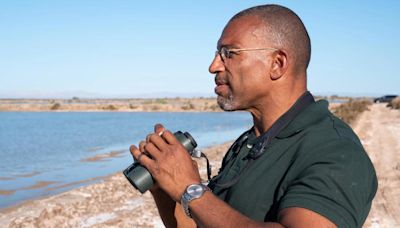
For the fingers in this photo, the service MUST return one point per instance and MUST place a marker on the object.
(135, 152)
(140, 157)
(154, 144)
(169, 137)
(165, 134)
(159, 129)
(152, 151)
(141, 146)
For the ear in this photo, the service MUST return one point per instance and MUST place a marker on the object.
(279, 64)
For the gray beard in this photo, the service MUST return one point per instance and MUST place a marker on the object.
(226, 103)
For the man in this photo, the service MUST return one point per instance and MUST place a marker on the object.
(299, 166)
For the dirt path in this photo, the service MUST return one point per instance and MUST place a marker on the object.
(379, 131)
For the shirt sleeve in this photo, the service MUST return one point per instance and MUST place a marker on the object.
(337, 181)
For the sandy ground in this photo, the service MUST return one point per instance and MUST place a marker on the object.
(379, 131)
(114, 203)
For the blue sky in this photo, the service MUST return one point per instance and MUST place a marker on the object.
(163, 48)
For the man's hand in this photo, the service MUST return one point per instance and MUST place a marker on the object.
(168, 162)
(173, 169)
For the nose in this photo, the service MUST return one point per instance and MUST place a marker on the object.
(217, 65)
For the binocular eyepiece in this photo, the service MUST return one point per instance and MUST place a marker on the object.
(141, 178)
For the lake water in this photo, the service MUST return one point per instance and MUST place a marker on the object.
(43, 153)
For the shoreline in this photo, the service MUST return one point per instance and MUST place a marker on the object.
(49, 186)
(110, 105)
(122, 105)
(112, 201)
(89, 182)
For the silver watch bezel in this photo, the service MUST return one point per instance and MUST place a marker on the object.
(193, 191)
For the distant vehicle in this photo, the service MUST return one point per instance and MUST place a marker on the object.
(385, 99)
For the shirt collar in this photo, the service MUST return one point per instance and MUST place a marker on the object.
(281, 124)
(311, 115)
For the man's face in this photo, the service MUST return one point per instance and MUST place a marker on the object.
(242, 79)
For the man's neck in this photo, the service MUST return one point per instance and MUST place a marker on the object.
(267, 113)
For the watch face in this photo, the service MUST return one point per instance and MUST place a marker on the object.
(195, 190)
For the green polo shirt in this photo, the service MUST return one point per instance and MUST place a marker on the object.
(316, 162)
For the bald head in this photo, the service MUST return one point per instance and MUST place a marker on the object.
(285, 30)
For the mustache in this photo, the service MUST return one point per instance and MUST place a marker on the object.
(220, 80)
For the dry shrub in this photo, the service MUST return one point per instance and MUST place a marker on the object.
(214, 107)
(188, 106)
(395, 103)
(350, 110)
(110, 107)
(155, 108)
(132, 106)
(147, 101)
(55, 106)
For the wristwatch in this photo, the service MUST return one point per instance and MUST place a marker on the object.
(193, 191)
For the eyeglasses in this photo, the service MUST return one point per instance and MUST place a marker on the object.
(226, 53)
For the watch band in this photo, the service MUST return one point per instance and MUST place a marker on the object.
(192, 192)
